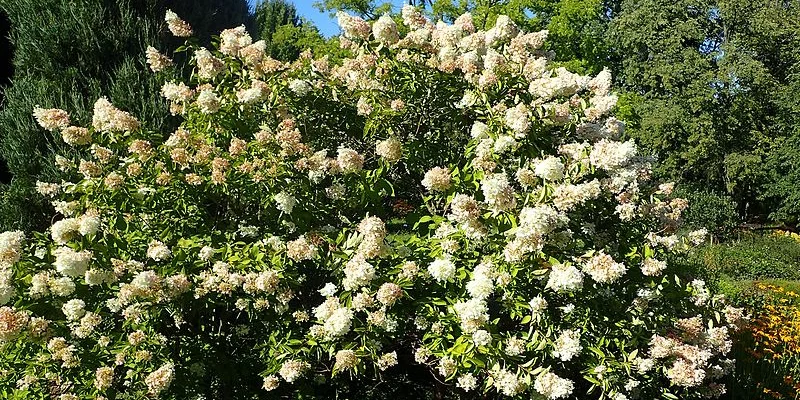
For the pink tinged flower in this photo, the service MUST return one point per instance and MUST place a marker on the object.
(51, 118)
(177, 26)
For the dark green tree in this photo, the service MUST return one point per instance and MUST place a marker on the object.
(287, 35)
(713, 86)
(764, 70)
(271, 14)
(6, 70)
(666, 62)
(68, 53)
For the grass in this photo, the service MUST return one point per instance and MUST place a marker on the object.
(735, 265)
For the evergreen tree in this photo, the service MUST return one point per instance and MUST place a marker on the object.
(6, 67)
(6, 70)
(286, 34)
(272, 14)
(71, 52)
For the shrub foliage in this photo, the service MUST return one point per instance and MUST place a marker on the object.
(313, 222)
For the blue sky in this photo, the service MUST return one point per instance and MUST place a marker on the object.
(326, 24)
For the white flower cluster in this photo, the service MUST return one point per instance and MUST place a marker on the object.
(160, 379)
(442, 269)
(10, 248)
(498, 193)
(437, 179)
(109, 118)
(390, 149)
(567, 345)
(157, 61)
(552, 386)
(176, 25)
(603, 269)
(67, 229)
(51, 118)
(158, 251)
(71, 263)
(565, 278)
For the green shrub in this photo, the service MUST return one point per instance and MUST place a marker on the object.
(752, 257)
(708, 209)
(228, 260)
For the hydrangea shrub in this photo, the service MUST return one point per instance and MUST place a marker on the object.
(530, 264)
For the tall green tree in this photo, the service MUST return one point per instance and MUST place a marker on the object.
(272, 16)
(71, 52)
(287, 35)
(713, 84)
(763, 63)
(666, 60)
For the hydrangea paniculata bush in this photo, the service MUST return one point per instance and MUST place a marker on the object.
(532, 264)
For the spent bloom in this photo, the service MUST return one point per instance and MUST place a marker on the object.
(177, 26)
(160, 379)
(437, 179)
(157, 61)
(51, 118)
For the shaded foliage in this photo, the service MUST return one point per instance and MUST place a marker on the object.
(67, 53)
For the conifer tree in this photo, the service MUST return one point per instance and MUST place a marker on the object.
(71, 52)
